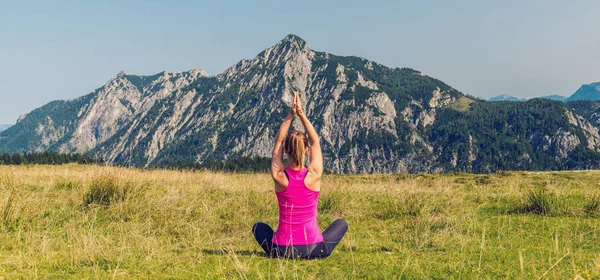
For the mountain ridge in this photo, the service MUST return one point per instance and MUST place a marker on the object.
(586, 92)
(555, 97)
(371, 118)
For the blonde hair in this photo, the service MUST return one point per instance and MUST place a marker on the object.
(296, 144)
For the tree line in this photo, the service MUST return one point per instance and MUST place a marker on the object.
(235, 165)
(48, 157)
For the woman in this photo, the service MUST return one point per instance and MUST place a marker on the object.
(297, 189)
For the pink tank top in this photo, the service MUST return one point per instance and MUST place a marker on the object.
(297, 212)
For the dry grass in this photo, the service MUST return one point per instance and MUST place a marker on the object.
(76, 221)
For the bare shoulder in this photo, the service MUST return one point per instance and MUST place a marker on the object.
(281, 181)
(313, 180)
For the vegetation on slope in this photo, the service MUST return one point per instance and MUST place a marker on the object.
(493, 136)
(24, 137)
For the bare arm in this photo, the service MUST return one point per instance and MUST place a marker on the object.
(277, 166)
(316, 156)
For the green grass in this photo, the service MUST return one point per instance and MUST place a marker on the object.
(76, 222)
(462, 104)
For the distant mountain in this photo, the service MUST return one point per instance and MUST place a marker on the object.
(555, 97)
(370, 118)
(3, 127)
(586, 92)
(506, 97)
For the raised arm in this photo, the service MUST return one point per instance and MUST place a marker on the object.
(277, 166)
(316, 156)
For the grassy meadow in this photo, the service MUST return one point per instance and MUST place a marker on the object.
(80, 221)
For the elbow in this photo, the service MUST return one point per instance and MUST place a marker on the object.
(315, 140)
(316, 171)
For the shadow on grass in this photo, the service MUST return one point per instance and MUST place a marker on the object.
(239, 253)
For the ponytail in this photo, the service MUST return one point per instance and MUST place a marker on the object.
(296, 144)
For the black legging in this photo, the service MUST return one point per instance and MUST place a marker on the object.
(331, 237)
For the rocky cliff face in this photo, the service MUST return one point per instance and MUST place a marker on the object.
(371, 118)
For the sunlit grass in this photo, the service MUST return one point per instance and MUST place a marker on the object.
(77, 221)
(462, 104)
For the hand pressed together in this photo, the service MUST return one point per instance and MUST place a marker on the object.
(296, 106)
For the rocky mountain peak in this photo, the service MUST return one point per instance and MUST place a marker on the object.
(288, 46)
(292, 39)
(122, 73)
(198, 72)
(290, 58)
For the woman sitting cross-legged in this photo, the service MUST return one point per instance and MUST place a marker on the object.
(297, 189)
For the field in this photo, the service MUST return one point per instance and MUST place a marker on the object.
(77, 221)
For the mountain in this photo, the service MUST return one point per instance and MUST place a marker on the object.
(555, 97)
(371, 119)
(3, 127)
(586, 92)
(506, 97)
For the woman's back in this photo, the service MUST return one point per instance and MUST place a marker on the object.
(297, 212)
(298, 234)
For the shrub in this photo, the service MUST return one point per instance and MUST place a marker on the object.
(104, 191)
(541, 202)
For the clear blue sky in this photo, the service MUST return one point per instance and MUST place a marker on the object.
(61, 49)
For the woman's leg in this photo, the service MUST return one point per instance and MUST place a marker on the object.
(331, 238)
(292, 252)
(263, 234)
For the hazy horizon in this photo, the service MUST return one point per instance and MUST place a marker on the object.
(64, 50)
